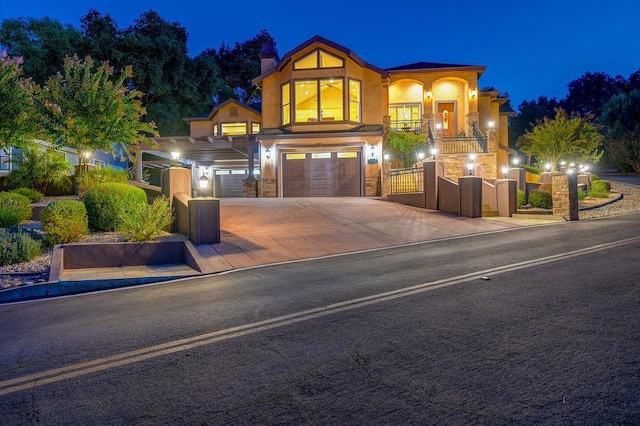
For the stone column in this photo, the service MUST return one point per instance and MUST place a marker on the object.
(384, 179)
(565, 195)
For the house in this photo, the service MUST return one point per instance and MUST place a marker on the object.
(325, 118)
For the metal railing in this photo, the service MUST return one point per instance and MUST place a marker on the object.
(406, 181)
(431, 136)
(482, 139)
(406, 126)
(460, 145)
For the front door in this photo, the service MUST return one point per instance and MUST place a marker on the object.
(447, 118)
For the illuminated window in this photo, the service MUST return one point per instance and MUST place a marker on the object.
(234, 129)
(296, 156)
(405, 117)
(319, 100)
(355, 94)
(215, 129)
(347, 155)
(286, 104)
(255, 128)
(320, 155)
(318, 59)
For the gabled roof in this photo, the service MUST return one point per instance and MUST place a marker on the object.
(422, 66)
(321, 40)
(214, 111)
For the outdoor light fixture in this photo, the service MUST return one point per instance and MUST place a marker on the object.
(420, 155)
(505, 170)
(470, 168)
(547, 166)
(472, 157)
(434, 152)
(491, 124)
(438, 126)
(428, 94)
(372, 159)
(516, 161)
(474, 93)
(203, 182)
(267, 154)
(386, 157)
(175, 155)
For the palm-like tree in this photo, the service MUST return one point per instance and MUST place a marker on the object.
(38, 167)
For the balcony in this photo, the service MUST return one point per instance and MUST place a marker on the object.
(405, 126)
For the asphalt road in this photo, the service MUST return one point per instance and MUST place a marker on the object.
(528, 326)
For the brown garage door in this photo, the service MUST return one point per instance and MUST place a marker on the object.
(230, 184)
(321, 174)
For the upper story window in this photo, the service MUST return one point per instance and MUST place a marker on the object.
(233, 129)
(318, 59)
(255, 128)
(319, 100)
(286, 103)
(355, 104)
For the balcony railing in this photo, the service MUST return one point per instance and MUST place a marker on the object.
(406, 181)
(406, 126)
(460, 145)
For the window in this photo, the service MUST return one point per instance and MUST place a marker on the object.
(355, 95)
(286, 104)
(215, 129)
(405, 117)
(5, 159)
(319, 100)
(255, 128)
(234, 129)
(318, 59)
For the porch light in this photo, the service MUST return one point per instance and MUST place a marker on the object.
(470, 168)
(203, 182)
(428, 94)
(474, 93)
(267, 154)
(491, 124)
(505, 170)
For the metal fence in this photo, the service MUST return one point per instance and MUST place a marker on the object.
(406, 126)
(406, 181)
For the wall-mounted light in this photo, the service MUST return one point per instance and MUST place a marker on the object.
(516, 161)
(372, 158)
(474, 93)
(203, 182)
(267, 154)
(438, 126)
(547, 166)
(491, 124)
(421, 156)
(428, 94)
(505, 170)
(386, 157)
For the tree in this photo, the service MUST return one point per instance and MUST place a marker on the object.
(39, 167)
(530, 113)
(570, 138)
(621, 118)
(100, 36)
(590, 92)
(85, 108)
(17, 108)
(43, 43)
(404, 144)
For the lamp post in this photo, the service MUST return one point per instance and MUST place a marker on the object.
(505, 170)
(434, 152)
(175, 155)
(470, 168)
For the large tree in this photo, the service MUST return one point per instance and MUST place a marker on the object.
(86, 108)
(570, 138)
(43, 43)
(621, 116)
(531, 112)
(17, 124)
(591, 91)
(100, 36)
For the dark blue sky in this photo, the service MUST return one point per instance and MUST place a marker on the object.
(531, 48)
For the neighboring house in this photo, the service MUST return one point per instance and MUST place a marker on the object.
(325, 118)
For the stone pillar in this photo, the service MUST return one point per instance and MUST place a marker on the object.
(385, 183)
(565, 195)
(470, 196)
(492, 141)
(174, 180)
(250, 187)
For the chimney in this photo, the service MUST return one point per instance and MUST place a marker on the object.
(268, 57)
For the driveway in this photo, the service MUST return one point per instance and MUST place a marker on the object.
(258, 231)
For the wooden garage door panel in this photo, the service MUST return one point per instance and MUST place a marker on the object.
(321, 177)
(231, 185)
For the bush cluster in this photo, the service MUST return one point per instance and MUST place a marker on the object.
(600, 189)
(31, 194)
(540, 199)
(91, 178)
(16, 247)
(108, 202)
(146, 221)
(521, 199)
(14, 208)
(64, 221)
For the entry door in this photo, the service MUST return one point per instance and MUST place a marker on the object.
(447, 117)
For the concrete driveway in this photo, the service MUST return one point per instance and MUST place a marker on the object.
(259, 231)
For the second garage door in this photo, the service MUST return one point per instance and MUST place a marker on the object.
(321, 174)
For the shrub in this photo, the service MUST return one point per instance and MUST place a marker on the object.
(600, 189)
(546, 187)
(31, 194)
(540, 199)
(91, 178)
(107, 202)
(64, 221)
(521, 198)
(594, 177)
(14, 208)
(16, 247)
(146, 222)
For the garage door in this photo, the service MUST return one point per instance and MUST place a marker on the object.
(322, 174)
(229, 183)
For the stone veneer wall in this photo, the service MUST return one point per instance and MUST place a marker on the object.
(250, 187)
(385, 184)
(565, 195)
(372, 180)
(267, 188)
(456, 164)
